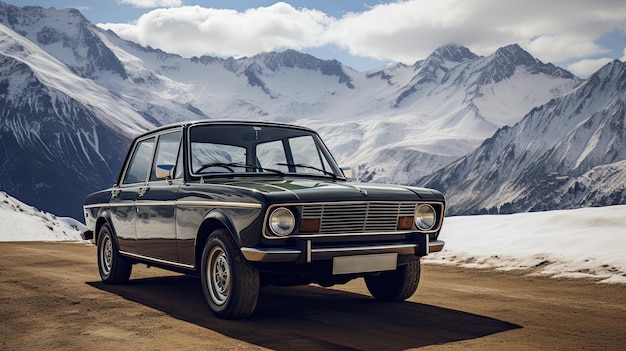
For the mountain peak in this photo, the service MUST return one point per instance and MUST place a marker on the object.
(453, 53)
(274, 61)
(289, 58)
(615, 69)
(506, 60)
(514, 55)
(41, 26)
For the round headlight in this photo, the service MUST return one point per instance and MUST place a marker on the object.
(282, 221)
(425, 217)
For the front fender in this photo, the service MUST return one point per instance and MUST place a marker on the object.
(225, 221)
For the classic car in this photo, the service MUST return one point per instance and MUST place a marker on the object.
(247, 204)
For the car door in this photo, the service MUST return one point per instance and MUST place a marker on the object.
(156, 201)
(123, 197)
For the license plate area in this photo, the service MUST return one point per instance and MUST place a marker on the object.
(365, 263)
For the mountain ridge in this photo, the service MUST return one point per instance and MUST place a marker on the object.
(393, 124)
(551, 151)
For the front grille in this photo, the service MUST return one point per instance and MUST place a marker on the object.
(358, 217)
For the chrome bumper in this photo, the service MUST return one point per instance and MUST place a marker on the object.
(319, 254)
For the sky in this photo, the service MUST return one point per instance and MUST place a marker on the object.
(581, 243)
(579, 35)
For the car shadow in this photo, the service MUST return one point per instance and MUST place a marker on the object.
(311, 317)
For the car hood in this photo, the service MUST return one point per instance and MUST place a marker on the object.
(313, 190)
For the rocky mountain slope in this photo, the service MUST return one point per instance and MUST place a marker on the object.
(567, 153)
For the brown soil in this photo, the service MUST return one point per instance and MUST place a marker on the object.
(51, 298)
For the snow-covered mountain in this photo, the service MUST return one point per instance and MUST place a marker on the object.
(393, 124)
(60, 133)
(567, 153)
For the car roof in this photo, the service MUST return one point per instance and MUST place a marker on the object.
(223, 122)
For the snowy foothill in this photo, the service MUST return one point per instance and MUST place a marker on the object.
(21, 222)
(580, 243)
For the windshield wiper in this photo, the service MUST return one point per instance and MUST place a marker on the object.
(228, 165)
(302, 165)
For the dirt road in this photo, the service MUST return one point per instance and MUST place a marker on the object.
(51, 298)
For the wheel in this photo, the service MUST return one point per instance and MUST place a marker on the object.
(229, 282)
(113, 267)
(395, 285)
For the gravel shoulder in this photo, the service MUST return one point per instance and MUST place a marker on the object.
(51, 298)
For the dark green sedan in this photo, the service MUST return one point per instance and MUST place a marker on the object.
(247, 204)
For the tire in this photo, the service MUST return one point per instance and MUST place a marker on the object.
(395, 285)
(230, 283)
(113, 267)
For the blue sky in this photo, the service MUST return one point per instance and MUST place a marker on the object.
(579, 35)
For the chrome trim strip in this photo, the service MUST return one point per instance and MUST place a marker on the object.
(157, 260)
(337, 235)
(291, 255)
(154, 203)
(96, 205)
(183, 203)
(106, 204)
(270, 255)
(201, 203)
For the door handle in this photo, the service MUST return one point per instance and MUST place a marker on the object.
(143, 190)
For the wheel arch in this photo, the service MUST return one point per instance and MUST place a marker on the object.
(103, 219)
(212, 221)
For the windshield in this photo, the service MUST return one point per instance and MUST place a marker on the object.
(248, 149)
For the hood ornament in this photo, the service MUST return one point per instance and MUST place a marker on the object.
(362, 191)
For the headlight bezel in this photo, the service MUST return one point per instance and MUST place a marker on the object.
(281, 221)
(425, 217)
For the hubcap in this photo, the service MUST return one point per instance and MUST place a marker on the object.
(106, 255)
(218, 275)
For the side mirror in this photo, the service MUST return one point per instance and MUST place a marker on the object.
(347, 172)
(165, 171)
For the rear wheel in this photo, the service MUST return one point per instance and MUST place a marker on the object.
(229, 282)
(113, 267)
(395, 285)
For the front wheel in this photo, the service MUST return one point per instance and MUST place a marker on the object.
(395, 285)
(229, 282)
(113, 267)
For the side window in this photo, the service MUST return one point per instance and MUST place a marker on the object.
(140, 162)
(166, 151)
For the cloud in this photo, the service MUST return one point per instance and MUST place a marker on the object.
(403, 31)
(556, 48)
(195, 31)
(150, 4)
(553, 30)
(623, 58)
(587, 67)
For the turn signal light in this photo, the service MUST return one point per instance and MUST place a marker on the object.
(405, 223)
(310, 225)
